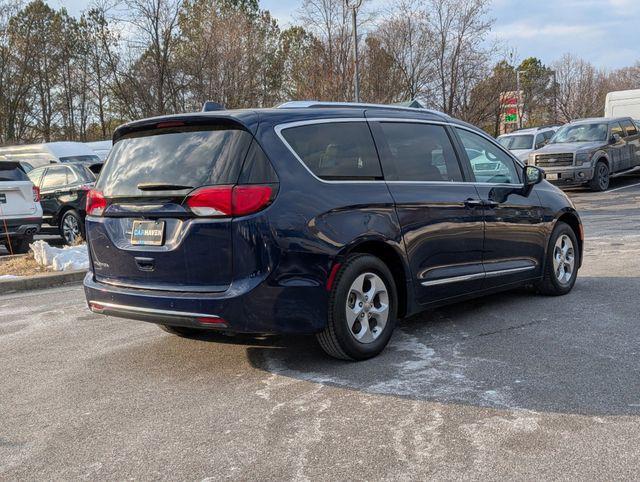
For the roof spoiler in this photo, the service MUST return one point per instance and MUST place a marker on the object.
(210, 106)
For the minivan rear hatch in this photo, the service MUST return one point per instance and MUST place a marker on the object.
(140, 231)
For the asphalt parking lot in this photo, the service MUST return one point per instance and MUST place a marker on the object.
(515, 386)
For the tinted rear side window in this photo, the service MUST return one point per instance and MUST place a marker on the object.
(56, 177)
(257, 169)
(187, 157)
(419, 152)
(11, 171)
(335, 151)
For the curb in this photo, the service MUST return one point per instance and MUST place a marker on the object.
(41, 281)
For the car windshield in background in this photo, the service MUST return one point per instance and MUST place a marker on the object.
(190, 157)
(517, 142)
(11, 171)
(581, 133)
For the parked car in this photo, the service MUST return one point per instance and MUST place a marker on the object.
(333, 219)
(37, 155)
(589, 151)
(20, 210)
(63, 191)
(524, 141)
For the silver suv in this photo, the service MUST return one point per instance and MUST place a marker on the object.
(590, 151)
(20, 210)
(524, 141)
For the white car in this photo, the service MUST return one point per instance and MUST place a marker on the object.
(20, 210)
(524, 141)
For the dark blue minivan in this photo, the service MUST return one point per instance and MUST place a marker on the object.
(329, 219)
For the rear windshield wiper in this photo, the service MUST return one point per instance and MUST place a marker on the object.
(157, 186)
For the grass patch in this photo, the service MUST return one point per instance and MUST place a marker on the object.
(22, 266)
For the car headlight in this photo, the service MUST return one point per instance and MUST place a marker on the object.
(582, 157)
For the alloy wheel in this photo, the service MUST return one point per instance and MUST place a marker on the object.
(367, 307)
(70, 229)
(564, 259)
(603, 176)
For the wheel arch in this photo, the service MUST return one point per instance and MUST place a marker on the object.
(601, 156)
(570, 218)
(394, 259)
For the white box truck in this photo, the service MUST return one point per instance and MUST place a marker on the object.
(36, 155)
(623, 103)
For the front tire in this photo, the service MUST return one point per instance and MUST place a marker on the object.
(362, 310)
(563, 260)
(600, 181)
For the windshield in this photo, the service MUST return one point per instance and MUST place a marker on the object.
(191, 157)
(516, 142)
(581, 133)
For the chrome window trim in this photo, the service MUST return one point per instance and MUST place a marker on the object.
(152, 311)
(281, 127)
(477, 276)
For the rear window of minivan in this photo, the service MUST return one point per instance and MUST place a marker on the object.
(336, 150)
(188, 156)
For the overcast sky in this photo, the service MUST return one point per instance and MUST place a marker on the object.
(605, 32)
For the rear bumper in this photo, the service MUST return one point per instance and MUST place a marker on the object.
(246, 307)
(19, 227)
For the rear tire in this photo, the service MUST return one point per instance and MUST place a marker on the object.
(362, 310)
(21, 245)
(71, 228)
(563, 260)
(600, 181)
(181, 331)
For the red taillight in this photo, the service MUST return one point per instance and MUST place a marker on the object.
(36, 194)
(96, 203)
(211, 201)
(250, 199)
(221, 201)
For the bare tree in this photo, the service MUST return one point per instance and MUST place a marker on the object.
(581, 88)
(459, 28)
(155, 38)
(406, 37)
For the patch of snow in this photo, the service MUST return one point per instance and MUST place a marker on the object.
(9, 276)
(60, 259)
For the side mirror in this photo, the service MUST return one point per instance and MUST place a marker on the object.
(532, 175)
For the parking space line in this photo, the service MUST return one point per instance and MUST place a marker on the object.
(624, 187)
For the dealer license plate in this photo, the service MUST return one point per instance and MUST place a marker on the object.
(147, 233)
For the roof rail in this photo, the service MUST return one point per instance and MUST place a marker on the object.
(307, 104)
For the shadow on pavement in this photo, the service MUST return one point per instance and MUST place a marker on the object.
(573, 354)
